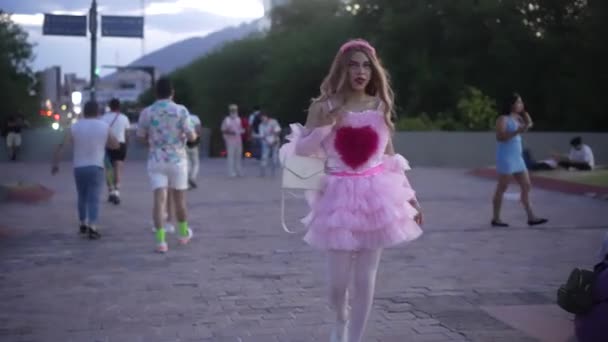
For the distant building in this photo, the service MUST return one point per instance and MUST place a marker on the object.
(72, 83)
(50, 90)
(125, 85)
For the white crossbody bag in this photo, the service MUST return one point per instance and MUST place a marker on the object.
(300, 173)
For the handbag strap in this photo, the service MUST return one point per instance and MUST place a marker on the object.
(283, 213)
(113, 121)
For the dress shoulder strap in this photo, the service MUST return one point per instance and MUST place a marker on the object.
(380, 103)
(330, 106)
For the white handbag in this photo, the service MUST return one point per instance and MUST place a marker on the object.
(303, 173)
(300, 173)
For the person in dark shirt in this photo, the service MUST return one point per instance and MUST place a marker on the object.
(254, 124)
(593, 326)
(538, 165)
(246, 136)
(14, 125)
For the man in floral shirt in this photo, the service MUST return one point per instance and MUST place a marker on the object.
(166, 127)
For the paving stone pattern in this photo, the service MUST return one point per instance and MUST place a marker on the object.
(243, 279)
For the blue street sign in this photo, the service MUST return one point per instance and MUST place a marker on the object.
(64, 25)
(122, 26)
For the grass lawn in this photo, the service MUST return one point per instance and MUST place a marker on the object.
(596, 177)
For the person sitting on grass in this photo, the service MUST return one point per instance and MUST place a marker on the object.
(538, 165)
(580, 156)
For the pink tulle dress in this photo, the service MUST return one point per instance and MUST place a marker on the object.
(363, 203)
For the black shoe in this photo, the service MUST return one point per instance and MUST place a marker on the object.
(496, 223)
(93, 234)
(114, 199)
(537, 221)
(192, 184)
(83, 229)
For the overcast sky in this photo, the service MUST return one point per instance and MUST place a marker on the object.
(167, 21)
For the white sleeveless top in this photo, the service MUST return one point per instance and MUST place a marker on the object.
(358, 142)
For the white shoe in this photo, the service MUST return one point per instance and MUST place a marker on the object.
(169, 228)
(162, 247)
(185, 239)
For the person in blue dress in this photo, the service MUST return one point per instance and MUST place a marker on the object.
(509, 158)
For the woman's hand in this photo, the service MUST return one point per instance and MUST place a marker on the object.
(418, 218)
(328, 119)
(522, 124)
(527, 120)
(522, 128)
(319, 116)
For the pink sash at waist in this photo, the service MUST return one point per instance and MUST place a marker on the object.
(369, 172)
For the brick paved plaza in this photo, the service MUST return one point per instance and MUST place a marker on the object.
(243, 279)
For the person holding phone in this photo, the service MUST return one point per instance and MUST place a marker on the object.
(509, 158)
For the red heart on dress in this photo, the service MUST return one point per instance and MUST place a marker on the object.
(356, 144)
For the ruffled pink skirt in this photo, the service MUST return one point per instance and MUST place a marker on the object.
(363, 212)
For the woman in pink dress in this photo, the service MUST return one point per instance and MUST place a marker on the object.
(366, 202)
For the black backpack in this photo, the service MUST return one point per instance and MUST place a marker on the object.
(576, 295)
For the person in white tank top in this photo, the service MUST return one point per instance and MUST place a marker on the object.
(119, 126)
(89, 138)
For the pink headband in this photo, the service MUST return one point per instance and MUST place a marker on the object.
(357, 43)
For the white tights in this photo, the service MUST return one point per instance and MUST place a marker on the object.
(356, 268)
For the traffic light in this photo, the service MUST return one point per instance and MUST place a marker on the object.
(97, 71)
(56, 117)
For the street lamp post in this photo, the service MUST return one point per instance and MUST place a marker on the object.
(76, 25)
(93, 31)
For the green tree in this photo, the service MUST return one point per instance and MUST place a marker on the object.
(299, 14)
(298, 58)
(17, 81)
(544, 49)
(476, 110)
(549, 51)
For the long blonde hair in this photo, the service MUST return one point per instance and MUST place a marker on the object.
(379, 85)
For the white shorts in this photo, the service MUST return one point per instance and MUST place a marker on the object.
(168, 175)
(13, 139)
